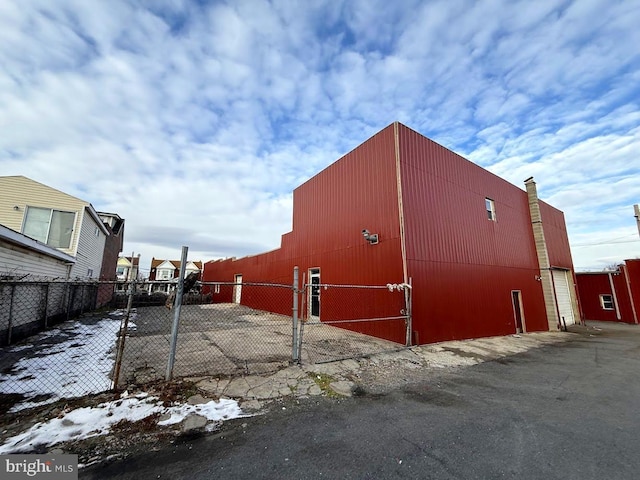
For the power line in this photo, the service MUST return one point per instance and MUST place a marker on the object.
(604, 243)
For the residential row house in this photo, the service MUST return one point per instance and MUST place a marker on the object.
(38, 218)
(164, 274)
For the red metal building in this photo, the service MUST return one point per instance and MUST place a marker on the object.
(463, 237)
(611, 296)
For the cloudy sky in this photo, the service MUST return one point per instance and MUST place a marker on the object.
(194, 120)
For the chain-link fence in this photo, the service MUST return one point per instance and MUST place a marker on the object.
(30, 306)
(216, 337)
(349, 321)
(135, 333)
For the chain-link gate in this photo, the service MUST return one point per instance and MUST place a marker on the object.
(349, 321)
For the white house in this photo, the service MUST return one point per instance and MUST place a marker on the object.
(165, 273)
(56, 219)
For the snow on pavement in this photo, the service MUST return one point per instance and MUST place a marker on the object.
(92, 421)
(72, 360)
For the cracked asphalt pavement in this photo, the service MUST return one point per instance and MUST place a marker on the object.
(565, 410)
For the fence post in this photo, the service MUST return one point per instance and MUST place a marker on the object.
(46, 305)
(295, 354)
(301, 316)
(407, 306)
(10, 326)
(124, 327)
(68, 297)
(82, 289)
(176, 314)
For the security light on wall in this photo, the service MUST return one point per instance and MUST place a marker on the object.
(372, 238)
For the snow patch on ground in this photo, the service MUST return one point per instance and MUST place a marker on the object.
(72, 360)
(92, 421)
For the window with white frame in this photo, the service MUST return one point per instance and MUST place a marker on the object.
(53, 227)
(606, 302)
(164, 274)
(490, 205)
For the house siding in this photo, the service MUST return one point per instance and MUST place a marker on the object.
(13, 194)
(19, 261)
(91, 250)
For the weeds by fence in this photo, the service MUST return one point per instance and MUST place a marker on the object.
(224, 329)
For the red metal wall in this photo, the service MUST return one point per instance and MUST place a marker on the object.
(633, 275)
(592, 285)
(463, 265)
(330, 211)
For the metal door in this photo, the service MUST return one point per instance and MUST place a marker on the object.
(314, 294)
(237, 289)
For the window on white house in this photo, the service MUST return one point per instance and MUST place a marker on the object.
(606, 302)
(53, 227)
(90, 272)
(165, 274)
(96, 232)
(490, 205)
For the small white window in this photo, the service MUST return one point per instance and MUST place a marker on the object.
(490, 205)
(606, 302)
(96, 232)
(216, 288)
(90, 273)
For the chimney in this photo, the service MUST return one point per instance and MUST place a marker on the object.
(546, 278)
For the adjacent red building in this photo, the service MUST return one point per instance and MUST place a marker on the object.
(483, 256)
(611, 296)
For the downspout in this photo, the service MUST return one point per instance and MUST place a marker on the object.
(403, 246)
(613, 294)
(396, 133)
(628, 282)
(546, 277)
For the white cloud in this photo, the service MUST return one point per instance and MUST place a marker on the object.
(195, 122)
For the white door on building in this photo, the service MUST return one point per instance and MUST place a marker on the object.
(237, 289)
(563, 297)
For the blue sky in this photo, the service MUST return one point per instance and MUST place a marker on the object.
(195, 120)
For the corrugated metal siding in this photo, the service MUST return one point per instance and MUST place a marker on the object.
(357, 192)
(90, 249)
(463, 265)
(590, 287)
(555, 234)
(20, 261)
(622, 294)
(633, 273)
